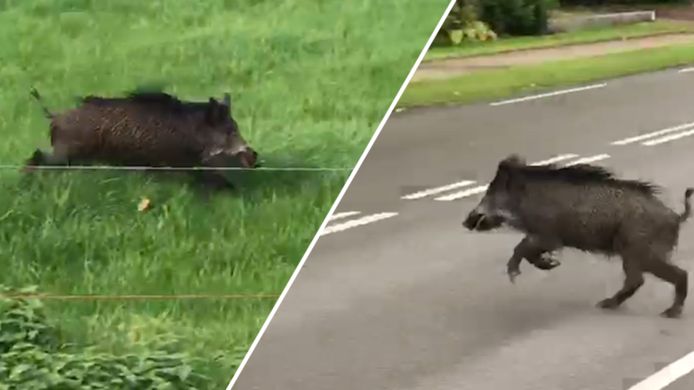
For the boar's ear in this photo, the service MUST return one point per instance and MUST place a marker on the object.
(507, 172)
(512, 161)
(227, 100)
(216, 113)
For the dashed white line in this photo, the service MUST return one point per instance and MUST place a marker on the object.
(555, 159)
(667, 375)
(668, 138)
(588, 160)
(642, 137)
(549, 94)
(356, 222)
(432, 191)
(686, 70)
(463, 194)
(343, 214)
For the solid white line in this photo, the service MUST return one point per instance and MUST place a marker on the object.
(686, 70)
(463, 194)
(344, 214)
(668, 374)
(431, 191)
(555, 159)
(668, 138)
(549, 94)
(642, 137)
(356, 222)
(588, 160)
(260, 334)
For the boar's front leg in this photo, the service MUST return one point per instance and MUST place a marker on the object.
(533, 250)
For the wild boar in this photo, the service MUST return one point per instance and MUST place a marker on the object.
(585, 207)
(151, 129)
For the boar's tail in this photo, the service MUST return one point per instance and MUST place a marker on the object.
(687, 206)
(36, 96)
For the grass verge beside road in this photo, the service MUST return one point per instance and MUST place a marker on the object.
(496, 84)
(638, 30)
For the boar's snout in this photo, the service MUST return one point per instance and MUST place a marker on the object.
(248, 157)
(482, 222)
(473, 218)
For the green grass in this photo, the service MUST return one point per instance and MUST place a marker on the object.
(309, 82)
(561, 39)
(496, 84)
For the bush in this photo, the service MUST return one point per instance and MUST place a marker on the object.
(516, 17)
(32, 357)
(481, 20)
(461, 25)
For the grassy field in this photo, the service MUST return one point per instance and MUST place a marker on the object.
(500, 83)
(561, 39)
(309, 82)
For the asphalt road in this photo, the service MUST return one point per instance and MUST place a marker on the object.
(416, 302)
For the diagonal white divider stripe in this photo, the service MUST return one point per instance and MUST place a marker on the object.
(354, 172)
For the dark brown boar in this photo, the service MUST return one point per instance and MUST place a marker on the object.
(585, 207)
(148, 129)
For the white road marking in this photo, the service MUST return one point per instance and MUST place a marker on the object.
(588, 160)
(555, 159)
(668, 374)
(344, 214)
(549, 94)
(463, 194)
(686, 70)
(642, 137)
(356, 222)
(432, 191)
(668, 138)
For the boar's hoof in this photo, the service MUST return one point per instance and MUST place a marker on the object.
(673, 312)
(513, 273)
(608, 303)
(547, 263)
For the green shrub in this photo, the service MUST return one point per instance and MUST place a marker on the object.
(481, 20)
(461, 24)
(33, 357)
(516, 17)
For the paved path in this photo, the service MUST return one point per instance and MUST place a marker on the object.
(415, 302)
(445, 68)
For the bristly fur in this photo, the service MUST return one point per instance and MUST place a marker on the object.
(585, 173)
(154, 98)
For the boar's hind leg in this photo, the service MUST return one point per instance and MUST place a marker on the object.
(678, 277)
(633, 280)
(39, 157)
(535, 252)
